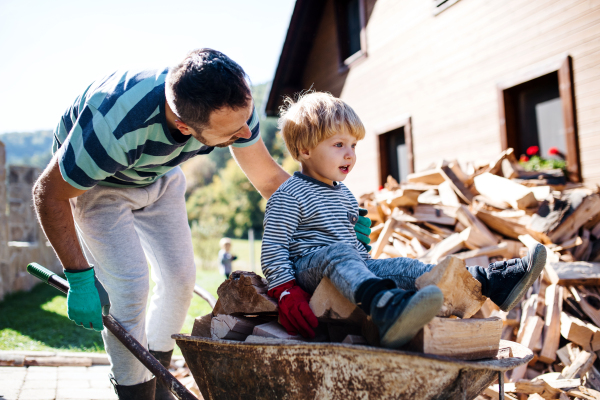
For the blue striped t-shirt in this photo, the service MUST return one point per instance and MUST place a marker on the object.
(116, 133)
(303, 216)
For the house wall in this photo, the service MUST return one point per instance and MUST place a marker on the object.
(443, 71)
(22, 240)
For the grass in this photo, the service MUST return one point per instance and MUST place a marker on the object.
(37, 320)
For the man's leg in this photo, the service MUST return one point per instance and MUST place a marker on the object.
(104, 221)
(166, 238)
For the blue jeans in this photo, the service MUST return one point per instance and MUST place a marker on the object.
(346, 269)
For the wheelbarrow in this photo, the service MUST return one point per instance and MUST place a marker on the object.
(277, 369)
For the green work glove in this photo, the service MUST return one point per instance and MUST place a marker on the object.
(87, 299)
(363, 228)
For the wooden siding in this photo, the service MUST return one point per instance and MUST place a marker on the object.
(443, 72)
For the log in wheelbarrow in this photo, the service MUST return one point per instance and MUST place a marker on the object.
(277, 370)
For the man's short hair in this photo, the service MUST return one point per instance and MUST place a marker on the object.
(206, 80)
(315, 117)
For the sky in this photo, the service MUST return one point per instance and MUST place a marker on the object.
(50, 51)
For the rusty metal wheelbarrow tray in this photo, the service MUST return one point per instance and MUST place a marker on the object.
(225, 369)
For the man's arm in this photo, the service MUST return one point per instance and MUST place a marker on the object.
(260, 168)
(51, 196)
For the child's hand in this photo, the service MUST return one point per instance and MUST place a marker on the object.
(294, 312)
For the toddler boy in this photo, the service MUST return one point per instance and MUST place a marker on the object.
(225, 257)
(309, 234)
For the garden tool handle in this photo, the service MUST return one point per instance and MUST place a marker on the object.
(139, 351)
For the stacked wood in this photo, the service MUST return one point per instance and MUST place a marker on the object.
(244, 293)
(462, 292)
(242, 305)
(467, 339)
(498, 212)
(447, 210)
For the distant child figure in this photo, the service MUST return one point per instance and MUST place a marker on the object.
(225, 257)
(309, 234)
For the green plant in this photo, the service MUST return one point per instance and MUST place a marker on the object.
(533, 161)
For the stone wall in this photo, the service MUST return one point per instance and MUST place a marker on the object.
(22, 240)
(22, 223)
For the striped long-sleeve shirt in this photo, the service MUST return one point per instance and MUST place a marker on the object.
(116, 133)
(303, 216)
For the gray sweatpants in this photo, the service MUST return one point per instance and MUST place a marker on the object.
(121, 230)
(343, 265)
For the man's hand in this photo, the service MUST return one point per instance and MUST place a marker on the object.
(294, 312)
(87, 299)
(363, 228)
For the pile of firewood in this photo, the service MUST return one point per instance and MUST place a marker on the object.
(495, 212)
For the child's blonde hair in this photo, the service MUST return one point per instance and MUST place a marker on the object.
(314, 117)
(224, 241)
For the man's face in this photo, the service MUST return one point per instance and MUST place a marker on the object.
(225, 126)
(332, 159)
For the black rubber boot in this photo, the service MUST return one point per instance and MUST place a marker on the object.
(164, 357)
(141, 391)
(400, 314)
(506, 282)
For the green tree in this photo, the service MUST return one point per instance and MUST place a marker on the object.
(230, 200)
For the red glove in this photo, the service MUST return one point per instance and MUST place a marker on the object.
(294, 312)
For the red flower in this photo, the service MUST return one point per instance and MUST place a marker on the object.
(553, 151)
(380, 187)
(533, 150)
(524, 158)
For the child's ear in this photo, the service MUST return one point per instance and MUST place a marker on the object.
(304, 154)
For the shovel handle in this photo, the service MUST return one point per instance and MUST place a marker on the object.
(139, 351)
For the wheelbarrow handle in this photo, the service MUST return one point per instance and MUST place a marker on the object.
(124, 337)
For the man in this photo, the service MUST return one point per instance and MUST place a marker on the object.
(114, 186)
(112, 198)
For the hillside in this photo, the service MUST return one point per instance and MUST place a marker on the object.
(28, 148)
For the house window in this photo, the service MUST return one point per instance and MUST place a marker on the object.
(441, 5)
(538, 109)
(395, 151)
(350, 29)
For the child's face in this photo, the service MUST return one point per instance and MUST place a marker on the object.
(332, 159)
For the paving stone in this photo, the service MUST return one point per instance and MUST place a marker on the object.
(37, 394)
(42, 372)
(85, 394)
(74, 384)
(34, 383)
(73, 373)
(9, 394)
(12, 384)
(12, 372)
(101, 383)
